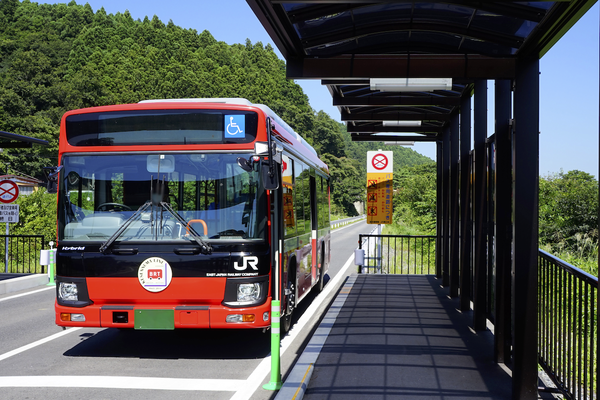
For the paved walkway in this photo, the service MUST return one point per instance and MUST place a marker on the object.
(402, 337)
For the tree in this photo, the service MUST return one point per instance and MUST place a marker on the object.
(568, 208)
(348, 184)
(415, 198)
(31, 218)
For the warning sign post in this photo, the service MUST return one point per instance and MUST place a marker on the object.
(380, 178)
(9, 213)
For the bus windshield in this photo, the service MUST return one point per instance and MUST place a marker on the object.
(209, 192)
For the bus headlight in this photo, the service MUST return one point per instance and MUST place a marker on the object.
(248, 292)
(68, 291)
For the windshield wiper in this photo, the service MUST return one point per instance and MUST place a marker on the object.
(205, 248)
(125, 225)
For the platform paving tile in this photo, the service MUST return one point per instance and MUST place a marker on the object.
(401, 337)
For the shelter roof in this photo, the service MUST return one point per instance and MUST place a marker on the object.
(345, 43)
(12, 140)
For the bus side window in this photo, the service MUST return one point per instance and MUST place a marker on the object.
(298, 205)
(306, 195)
(289, 211)
(321, 206)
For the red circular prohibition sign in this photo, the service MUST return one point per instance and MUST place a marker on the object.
(9, 191)
(379, 161)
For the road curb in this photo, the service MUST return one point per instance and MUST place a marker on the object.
(22, 283)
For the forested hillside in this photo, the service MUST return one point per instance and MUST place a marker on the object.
(60, 57)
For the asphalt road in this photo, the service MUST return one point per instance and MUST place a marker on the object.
(39, 360)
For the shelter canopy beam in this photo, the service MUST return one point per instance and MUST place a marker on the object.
(509, 9)
(362, 137)
(402, 66)
(395, 100)
(394, 116)
(378, 127)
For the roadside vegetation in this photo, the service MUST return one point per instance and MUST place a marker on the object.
(569, 218)
(568, 212)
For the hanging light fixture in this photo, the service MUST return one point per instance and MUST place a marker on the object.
(401, 123)
(410, 84)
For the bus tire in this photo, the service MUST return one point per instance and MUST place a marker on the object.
(290, 300)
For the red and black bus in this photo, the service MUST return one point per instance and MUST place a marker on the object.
(181, 214)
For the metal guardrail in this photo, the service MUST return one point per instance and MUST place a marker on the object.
(398, 254)
(343, 222)
(23, 254)
(568, 327)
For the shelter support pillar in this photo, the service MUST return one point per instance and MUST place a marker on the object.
(465, 215)
(454, 214)
(446, 211)
(525, 228)
(480, 207)
(503, 219)
(439, 209)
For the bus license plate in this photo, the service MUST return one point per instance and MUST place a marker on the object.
(155, 319)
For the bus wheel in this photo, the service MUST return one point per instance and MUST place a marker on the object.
(286, 315)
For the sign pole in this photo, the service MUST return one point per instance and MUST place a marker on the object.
(6, 250)
(9, 192)
(379, 252)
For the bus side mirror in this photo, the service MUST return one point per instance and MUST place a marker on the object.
(270, 180)
(52, 178)
(268, 168)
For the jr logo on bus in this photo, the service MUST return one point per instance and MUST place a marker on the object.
(250, 261)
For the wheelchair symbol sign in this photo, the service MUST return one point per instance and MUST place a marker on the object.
(235, 126)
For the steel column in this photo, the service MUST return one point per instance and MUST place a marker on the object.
(454, 214)
(446, 207)
(465, 215)
(439, 208)
(503, 232)
(480, 207)
(525, 228)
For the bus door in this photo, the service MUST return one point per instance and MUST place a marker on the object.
(304, 224)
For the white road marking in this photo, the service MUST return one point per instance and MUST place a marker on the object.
(264, 368)
(25, 294)
(244, 388)
(36, 343)
(122, 382)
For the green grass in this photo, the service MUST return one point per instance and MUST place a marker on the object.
(402, 229)
(403, 256)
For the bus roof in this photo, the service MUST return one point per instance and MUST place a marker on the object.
(243, 102)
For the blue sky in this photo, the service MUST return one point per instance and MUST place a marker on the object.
(568, 81)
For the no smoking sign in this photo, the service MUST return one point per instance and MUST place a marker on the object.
(9, 191)
(379, 161)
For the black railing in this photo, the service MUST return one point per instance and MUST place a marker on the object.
(398, 254)
(23, 254)
(568, 327)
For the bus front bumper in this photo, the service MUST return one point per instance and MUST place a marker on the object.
(163, 317)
